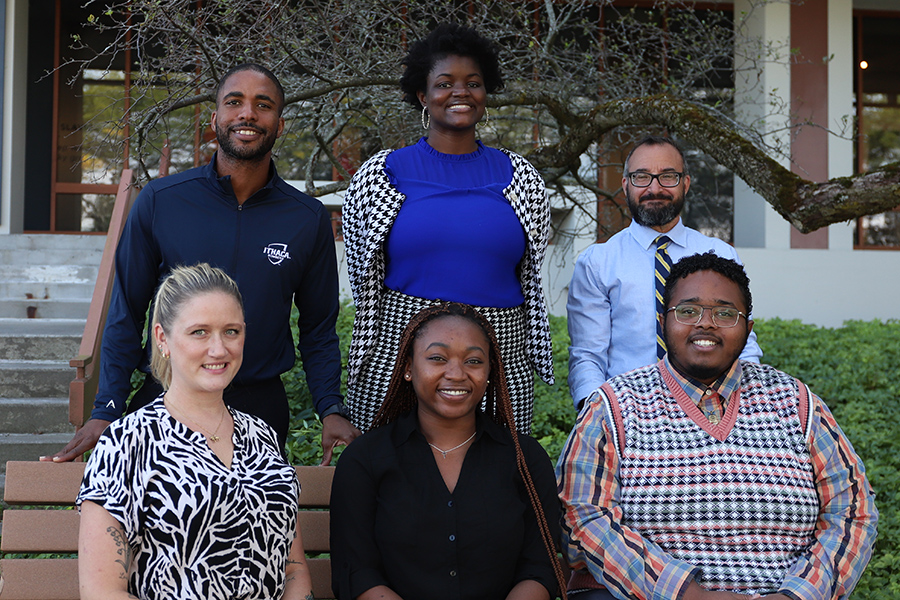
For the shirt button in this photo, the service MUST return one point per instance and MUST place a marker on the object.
(452, 538)
(452, 573)
(450, 503)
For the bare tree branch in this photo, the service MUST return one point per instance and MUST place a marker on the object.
(576, 71)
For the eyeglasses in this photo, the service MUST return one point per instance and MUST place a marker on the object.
(691, 314)
(668, 179)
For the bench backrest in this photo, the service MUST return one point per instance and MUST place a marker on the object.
(43, 528)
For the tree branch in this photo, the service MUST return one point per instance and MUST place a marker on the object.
(806, 205)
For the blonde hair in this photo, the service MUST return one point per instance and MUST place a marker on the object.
(179, 286)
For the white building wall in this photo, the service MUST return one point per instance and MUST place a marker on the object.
(823, 287)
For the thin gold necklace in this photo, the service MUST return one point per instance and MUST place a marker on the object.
(446, 452)
(211, 437)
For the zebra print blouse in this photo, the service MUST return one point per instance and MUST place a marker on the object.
(196, 529)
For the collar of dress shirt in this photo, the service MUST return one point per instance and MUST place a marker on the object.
(645, 236)
(725, 385)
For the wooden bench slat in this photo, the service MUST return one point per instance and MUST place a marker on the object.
(314, 527)
(320, 571)
(40, 531)
(57, 531)
(57, 484)
(39, 578)
(315, 486)
(35, 482)
(57, 579)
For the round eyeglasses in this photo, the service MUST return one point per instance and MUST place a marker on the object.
(643, 179)
(691, 314)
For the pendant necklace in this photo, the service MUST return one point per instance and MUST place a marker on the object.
(211, 437)
(446, 452)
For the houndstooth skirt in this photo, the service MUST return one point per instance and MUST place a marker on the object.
(364, 398)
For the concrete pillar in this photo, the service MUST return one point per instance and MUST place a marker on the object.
(762, 87)
(12, 143)
(773, 84)
(840, 108)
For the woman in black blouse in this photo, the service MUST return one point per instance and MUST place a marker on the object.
(440, 501)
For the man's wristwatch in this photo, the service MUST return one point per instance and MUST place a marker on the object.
(337, 408)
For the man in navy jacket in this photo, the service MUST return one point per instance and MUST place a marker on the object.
(236, 213)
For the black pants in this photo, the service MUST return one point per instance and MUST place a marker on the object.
(265, 399)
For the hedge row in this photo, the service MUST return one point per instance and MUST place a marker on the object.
(853, 368)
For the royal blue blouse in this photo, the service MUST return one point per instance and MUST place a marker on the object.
(456, 237)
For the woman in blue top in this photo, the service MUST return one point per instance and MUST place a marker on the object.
(447, 219)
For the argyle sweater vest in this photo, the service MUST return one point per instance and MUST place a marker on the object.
(742, 508)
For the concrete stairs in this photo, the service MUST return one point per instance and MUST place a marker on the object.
(46, 282)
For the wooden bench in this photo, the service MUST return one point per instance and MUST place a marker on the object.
(42, 528)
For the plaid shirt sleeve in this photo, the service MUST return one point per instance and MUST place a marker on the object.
(593, 535)
(845, 533)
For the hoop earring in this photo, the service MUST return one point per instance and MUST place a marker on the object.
(487, 116)
(426, 119)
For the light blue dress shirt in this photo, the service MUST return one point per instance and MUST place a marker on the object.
(611, 307)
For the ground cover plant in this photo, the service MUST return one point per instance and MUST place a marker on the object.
(853, 368)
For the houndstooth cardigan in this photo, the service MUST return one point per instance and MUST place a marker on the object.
(370, 208)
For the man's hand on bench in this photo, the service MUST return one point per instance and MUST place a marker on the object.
(85, 439)
(336, 431)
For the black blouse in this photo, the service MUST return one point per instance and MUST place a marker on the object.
(394, 523)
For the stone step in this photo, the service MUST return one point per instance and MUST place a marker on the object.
(31, 446)
(51, 256)
(56, 348)
(35, 378)
(48, 243)
(40, 339)
(65, 308)
(24, 290)
(85, 273)
(34, 415)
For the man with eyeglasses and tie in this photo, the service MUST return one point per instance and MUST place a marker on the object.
(707, 477)
(616, 291)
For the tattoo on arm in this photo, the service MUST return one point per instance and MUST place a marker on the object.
(309, 596)
(122, 549)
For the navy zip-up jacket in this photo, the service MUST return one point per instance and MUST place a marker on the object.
(278, 246)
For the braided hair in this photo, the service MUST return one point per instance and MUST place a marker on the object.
(401, 398)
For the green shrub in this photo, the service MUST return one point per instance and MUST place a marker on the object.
(554, 413)
(853, 368)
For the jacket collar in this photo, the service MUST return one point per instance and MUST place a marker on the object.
(224, 183)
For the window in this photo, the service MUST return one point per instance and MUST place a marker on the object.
(877, 85)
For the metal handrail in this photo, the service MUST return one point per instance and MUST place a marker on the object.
(84, 387)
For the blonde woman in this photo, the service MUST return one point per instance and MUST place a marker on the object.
(186, 498)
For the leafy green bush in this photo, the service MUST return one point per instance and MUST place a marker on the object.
(853, 368)
(554, 413)
(304, 446)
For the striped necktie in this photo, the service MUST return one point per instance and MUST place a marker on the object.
(663, 267)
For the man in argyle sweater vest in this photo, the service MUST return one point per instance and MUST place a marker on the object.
(705, 477)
